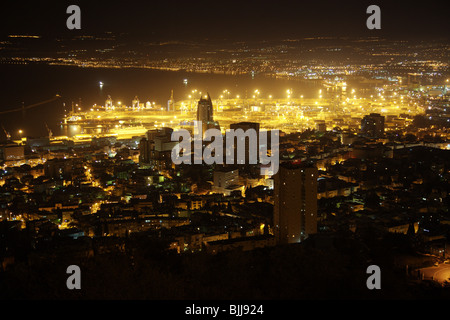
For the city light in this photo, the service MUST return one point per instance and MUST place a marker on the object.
(232, 154)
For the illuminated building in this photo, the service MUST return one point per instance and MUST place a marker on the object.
(155, 149)
(11, 152)
(205, 110)
(58, 168)
(246, 126)
(295, 203)
(373, 125)
(205, 113)
(225, 177)
(135, 103)
(109, 103)
(321, 126)
(161, 138)
(171, 103)
(146, 148)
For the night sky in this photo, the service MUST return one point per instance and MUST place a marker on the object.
(240, 20)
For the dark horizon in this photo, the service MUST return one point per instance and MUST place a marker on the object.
(247, 20)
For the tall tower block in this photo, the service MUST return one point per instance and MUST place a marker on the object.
(295, 205)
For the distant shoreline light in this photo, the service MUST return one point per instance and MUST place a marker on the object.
(23, 36)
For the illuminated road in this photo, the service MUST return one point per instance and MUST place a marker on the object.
(438, 273)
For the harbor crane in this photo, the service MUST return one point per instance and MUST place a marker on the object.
(7, 134)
